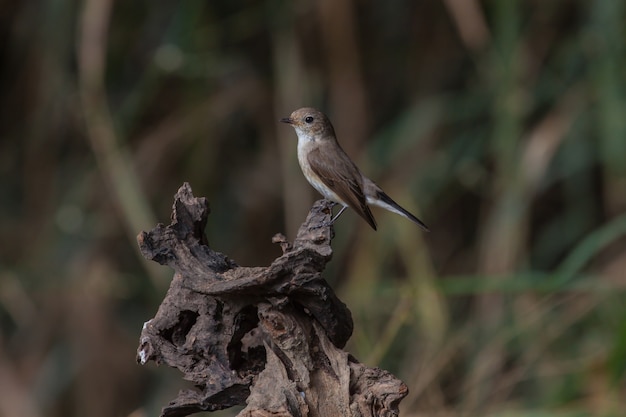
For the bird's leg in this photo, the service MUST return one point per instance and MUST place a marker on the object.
(330, 223)
(337, 215)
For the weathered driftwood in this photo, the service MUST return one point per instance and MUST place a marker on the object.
(269, 337)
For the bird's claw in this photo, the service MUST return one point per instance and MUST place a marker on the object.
(324, 224)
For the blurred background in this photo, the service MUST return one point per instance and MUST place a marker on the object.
(502, 124)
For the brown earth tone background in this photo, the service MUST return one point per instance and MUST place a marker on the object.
(502, 124)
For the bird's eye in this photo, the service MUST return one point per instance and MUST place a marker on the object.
(308, 119)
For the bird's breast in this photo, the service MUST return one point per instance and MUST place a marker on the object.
(304, 147)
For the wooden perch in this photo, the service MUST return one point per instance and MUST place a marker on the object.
(269, 337)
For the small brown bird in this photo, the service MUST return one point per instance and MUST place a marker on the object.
(331, 171)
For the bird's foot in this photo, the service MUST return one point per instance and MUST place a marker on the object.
(323, 224)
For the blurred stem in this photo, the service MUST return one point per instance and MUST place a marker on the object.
(469, 20)
(399, 317)
(16, 398)
(500, 242)
(607, 71)
(504, 228)
(292, 91)
(589, 247)
(420, 300)
(508, 92)
(543, 334)
(429, 308)
(347, 90)
(114, 162)
(362, 280)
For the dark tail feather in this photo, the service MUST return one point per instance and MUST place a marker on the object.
(389, 201)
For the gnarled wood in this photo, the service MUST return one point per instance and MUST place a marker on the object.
(269, 337)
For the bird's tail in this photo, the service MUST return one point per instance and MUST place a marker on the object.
(386, 202)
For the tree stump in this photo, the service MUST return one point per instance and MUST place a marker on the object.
(269, 337)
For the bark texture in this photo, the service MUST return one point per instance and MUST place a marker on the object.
(268, 337)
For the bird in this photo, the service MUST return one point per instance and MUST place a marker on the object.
(328, 168)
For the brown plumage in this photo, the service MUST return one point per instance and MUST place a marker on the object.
(331, 171)
(343, 177)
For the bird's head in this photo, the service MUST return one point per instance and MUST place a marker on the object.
(310, 124)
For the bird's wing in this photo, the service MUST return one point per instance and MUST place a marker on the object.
(340, 174)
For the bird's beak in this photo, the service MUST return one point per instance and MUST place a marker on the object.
(287, 120)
